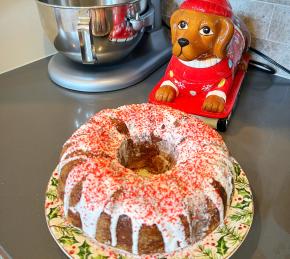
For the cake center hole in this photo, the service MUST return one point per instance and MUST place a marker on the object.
(144, 158)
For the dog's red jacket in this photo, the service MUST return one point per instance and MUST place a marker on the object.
(199, 79)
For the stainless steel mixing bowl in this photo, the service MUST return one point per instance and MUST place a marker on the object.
(95, 31)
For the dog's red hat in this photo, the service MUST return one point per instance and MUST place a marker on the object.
(218, 7)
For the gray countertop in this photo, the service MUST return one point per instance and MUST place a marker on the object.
(36, 117)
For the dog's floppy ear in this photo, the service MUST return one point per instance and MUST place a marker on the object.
(225, 35)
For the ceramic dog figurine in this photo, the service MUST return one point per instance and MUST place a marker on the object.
(208, 45)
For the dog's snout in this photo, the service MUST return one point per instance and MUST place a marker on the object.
(183, 42)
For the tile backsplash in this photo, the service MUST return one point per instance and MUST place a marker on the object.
(268, 21)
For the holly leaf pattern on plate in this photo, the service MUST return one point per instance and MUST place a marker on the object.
(237, 169)
(54, 182)
(67, 230)
(244, 216)
(242, 182)
(68, 240)
(51, 194)
(84, 250)
(222, 246)
(206, 252)
(242, 205)
(243, 192)
(101, 257)
(53, 213)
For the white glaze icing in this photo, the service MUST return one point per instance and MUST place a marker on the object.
(173, 235)
(136, 227)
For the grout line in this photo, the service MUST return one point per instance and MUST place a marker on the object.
(272, 3)
(271, 19)
(273, 41)
(261, 1)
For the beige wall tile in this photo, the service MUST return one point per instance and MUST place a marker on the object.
(256, 14)
(280, 25)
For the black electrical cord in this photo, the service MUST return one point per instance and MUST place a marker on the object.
(266, 68)
(262, 67)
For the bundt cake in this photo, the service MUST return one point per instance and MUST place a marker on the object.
(145, 179)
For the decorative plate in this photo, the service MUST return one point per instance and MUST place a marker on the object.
(221, 243)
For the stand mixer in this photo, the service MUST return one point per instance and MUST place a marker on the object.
(104, 45)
